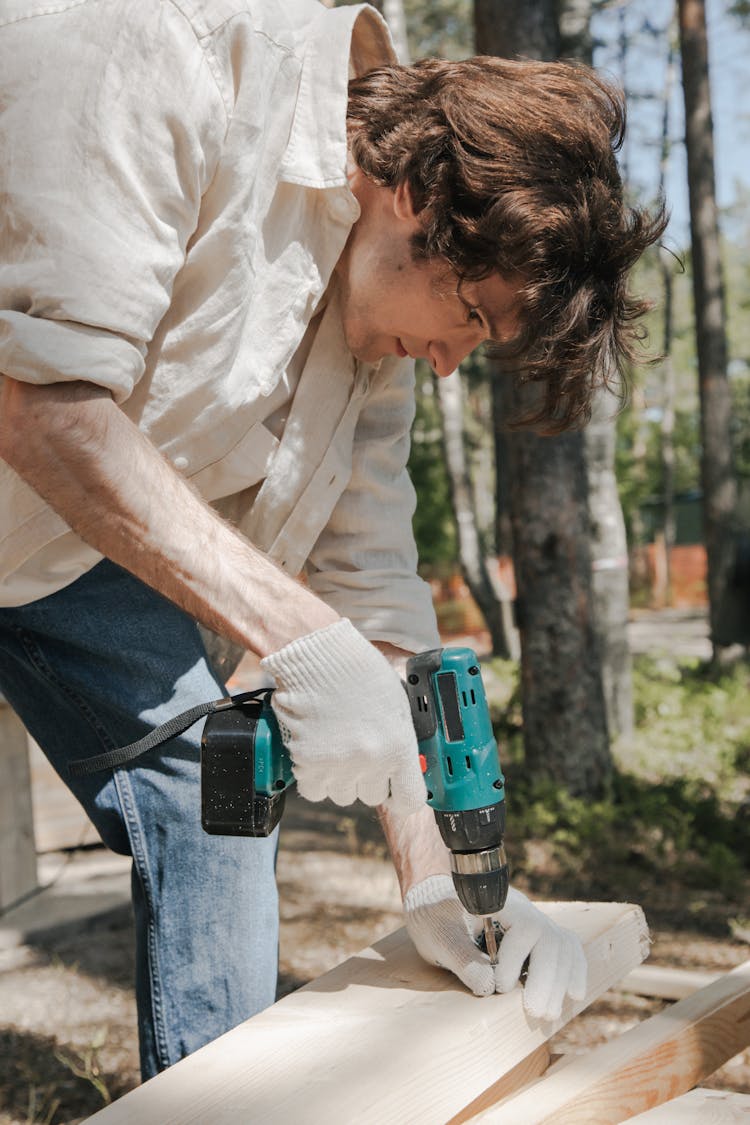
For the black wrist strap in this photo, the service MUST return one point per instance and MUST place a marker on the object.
(121, 755)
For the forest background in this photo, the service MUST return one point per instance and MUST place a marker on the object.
(674, 789)
(633, 43)
(628, 775)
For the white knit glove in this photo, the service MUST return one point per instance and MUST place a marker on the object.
(346, 721)
(445, 934)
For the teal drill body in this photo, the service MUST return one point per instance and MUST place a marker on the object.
(461, 763)
(246, 770)
(452, 721)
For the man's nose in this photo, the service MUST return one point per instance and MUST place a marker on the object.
(444, 357)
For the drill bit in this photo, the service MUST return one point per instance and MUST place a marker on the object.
(490, 940)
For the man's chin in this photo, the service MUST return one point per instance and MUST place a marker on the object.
(372, 350)
(367, 351)
(364, 346)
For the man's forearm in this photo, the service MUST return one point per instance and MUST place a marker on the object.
(77, 449)
(416, 847)
(414, 842)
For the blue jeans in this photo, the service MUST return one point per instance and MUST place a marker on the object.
(95, 666)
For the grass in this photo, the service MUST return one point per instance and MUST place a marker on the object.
(44, 1084)
(692, 723)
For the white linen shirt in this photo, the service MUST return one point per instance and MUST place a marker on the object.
(174, 202)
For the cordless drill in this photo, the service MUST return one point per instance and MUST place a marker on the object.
(246, 771)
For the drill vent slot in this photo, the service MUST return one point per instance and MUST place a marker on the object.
(450, 706)
(422, 703)
(449, 763)
(473, 697)
(468, 762)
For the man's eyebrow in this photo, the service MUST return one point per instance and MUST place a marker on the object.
(493, 327)
(499, 338)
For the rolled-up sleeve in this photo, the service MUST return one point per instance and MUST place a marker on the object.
(364, 563)
(111, 126)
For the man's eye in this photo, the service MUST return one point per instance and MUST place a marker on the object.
(474, 316)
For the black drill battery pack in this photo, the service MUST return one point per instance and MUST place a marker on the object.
(243, 780)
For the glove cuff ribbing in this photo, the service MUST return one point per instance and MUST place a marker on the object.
(307, 662)
(429, 892)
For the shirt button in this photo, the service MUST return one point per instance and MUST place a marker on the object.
(180, 463)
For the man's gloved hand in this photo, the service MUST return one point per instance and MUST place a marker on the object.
(345, 719)
(444, 934)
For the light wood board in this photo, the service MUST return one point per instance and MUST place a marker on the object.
(665, 982)
(659, 1059)
(699, 1107)
(17, 852)
(382, 1039)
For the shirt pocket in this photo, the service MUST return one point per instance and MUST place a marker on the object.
(247, 462)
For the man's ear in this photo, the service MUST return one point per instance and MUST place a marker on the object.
(403, 205)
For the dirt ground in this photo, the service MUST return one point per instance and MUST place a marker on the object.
(67, 1010)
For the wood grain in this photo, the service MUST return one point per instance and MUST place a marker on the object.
(652, 1063)
(699, 1107)
(665, 982)
(382, 1039)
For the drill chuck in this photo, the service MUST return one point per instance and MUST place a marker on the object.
(478, 864)
(481, 879)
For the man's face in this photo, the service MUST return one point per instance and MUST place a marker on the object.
(394, 305)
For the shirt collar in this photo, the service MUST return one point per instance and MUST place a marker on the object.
(316, 152)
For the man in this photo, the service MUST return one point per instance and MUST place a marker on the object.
(217, 262)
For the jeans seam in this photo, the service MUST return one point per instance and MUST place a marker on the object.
(135, 833)
(122, 783)
(37, 659)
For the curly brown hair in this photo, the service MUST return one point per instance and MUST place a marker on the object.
(511, 167)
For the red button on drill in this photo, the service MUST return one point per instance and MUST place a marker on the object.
(423, 763)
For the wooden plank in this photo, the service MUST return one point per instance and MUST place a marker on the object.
(59, 820)
(17, 852)
(699, 1107)
(664, 982)
(383, 1038)
(659, 1059)
(533, 1066)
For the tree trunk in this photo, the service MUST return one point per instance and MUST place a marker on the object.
(497, 613)
(529, 29)
(565, 724)
(609, 561)
(393, 13)
(564, 718)
(717, 475)
(666, 265)
(609, 545)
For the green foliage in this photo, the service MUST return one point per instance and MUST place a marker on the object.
(691, 723)
(434, 525)
(638, 465)
(740, 388)
(678, 812)
(741, 9)
(440, 29)
(641, 483)
(503, 686)
(647, 831)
